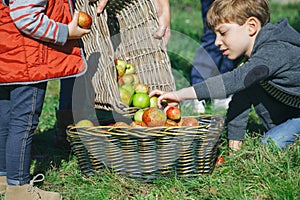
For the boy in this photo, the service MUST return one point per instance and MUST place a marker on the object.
(38, 43)
(268, 80)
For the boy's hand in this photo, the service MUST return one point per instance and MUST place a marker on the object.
(170, 97)
(75, 32)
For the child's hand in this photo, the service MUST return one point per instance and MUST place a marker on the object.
(174, 97)
(75, 32)
(171, 98)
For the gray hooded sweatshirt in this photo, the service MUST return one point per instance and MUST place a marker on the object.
(274, 63)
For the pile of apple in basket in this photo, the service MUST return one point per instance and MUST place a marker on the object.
(136, 94)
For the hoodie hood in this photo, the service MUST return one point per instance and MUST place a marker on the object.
(281, 31)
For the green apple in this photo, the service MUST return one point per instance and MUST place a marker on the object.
(129, 69)
(121, 66)
(136, 79)
(154, 101)
(125, 96)
(129, 88)
(141, 100)
(138, 116)
(120, 70)
(84, 123)
(127, 79)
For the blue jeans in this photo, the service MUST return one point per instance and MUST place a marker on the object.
(65, 94)
(281, 121)
(20, 108)
(283, 134)
(209, 60)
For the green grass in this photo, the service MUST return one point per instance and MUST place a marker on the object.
(255, 172)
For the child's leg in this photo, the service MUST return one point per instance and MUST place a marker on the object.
(283, 134)
(26, 102)
(4, 123)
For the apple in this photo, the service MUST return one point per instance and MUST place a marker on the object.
(153, 101)
(84, 123)
(170, 122)
(126, 79)
(173, 113)
(129, 69)
(129, 88)
(141, 100)
(121, 66)
(121, 124)
(138, 115)
(190, 121)
(120, 70)
(136, 79)
(84, 20)
(220, 160)
(154, 117)
(137, 124)
(125, 96)
(141, 88)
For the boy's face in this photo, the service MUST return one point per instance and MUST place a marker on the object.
(234, 40)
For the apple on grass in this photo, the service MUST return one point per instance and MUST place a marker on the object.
(84, 20)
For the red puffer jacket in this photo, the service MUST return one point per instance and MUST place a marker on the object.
(26, 60)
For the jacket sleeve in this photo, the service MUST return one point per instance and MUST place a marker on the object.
(31, 19)
(261, 66)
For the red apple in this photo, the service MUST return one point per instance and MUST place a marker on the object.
(173, 113)
(84, 20)
(154, 117)
(220, 160)
(190, 121)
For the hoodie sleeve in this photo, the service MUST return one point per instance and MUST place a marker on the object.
(263, 65)
(30, 18)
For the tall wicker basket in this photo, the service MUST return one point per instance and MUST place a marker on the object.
(148, 153)
(124, 31)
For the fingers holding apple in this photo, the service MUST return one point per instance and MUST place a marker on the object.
(75, 31)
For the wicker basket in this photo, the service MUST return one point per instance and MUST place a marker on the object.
(124, 31)
(148, 153)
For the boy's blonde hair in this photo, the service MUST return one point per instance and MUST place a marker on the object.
(237, 11)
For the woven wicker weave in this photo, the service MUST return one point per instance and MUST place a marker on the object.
(148, 153)
(124, 31)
